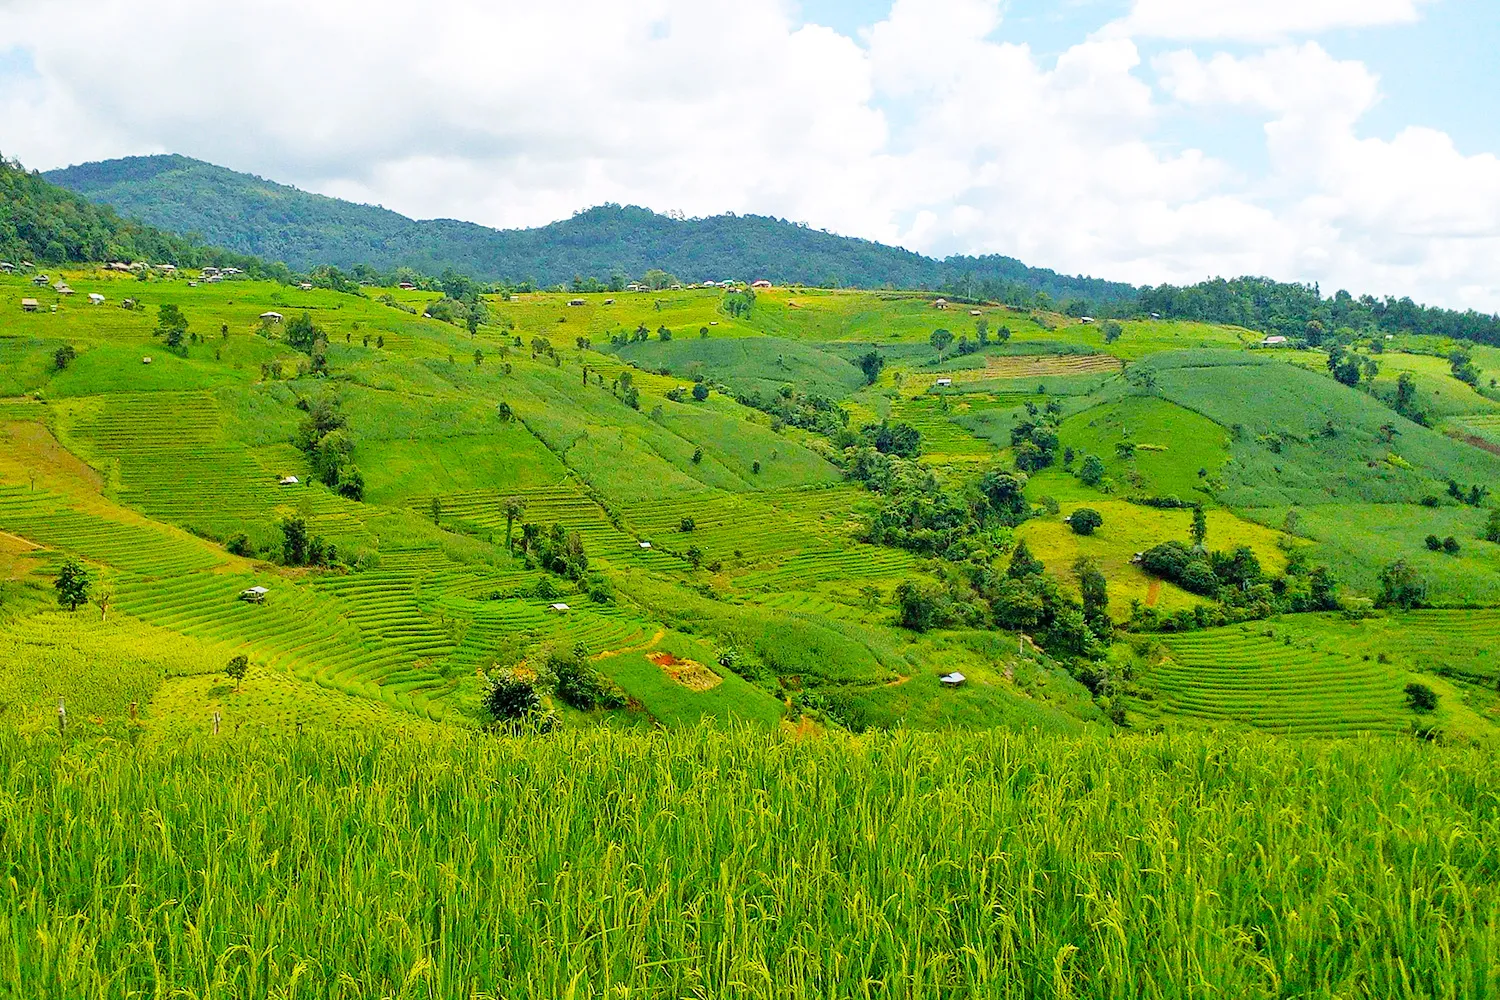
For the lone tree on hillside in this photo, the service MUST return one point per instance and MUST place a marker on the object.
(1200, 526)
(871, 363)
(1091, 472)
(63, 356)
(236, 669)
(515, 509)
(294, 541)
(171, 325)
(940, 340)
(437, 510)
(1085, 521)
(72, 585)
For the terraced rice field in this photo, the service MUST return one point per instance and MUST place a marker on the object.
(941, 436)
(1243, 675)
(1038, 366)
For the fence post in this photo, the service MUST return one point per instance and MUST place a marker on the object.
(62, 718)
(216, 723)
(132, 710)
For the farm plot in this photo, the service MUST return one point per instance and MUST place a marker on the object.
(1026, 367)
(941, 436)
(1254, 676)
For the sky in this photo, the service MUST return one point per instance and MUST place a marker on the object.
(1352, 143)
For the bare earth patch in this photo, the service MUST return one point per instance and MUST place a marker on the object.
(690, 674)
(1038, 365)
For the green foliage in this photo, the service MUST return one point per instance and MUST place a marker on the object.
(72, 585)
(1401, 586)
(1420, 697)
(1085, 521)
(576, 682)
(236, 668)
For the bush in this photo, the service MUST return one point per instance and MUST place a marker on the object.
(1434, 543)
(687, 524)
(579, 684)
(512, 699)
(1085, 521)
(1451, 546)
(1091, 472)
(1420, 697)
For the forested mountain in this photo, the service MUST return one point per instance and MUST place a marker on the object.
(277, 222)
(42, 222)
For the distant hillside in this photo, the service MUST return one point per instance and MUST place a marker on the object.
(42, 222)
(277, 222)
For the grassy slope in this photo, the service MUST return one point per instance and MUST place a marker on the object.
(199, 441)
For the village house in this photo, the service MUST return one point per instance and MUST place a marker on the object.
(940, 304)
(762, 283)
(96, 299)
(944, 382)
(1274, 341)
(30, 305)
(270, 317)
(255, 595)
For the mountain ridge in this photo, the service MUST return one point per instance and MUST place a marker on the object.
(251, 214)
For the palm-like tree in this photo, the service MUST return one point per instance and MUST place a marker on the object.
(514, 508)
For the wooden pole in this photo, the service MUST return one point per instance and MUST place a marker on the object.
(62, 718)
(216, 723)
(132, 709)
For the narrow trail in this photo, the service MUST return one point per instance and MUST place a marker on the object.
(1153, 592)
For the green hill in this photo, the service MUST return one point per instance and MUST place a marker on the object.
(276, 222)
(44, 223)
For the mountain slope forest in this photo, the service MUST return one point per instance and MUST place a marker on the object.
(276, 222)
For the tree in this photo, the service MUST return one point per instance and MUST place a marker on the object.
(1406, 392)
(1401, 586)
(1492, 527)
(1085, 521)
(697, 455)
(700, 391)
(1433, 543)
(1005, 492)
(687, 524)
(351, 484)
(301, 334)
(72, 585)
(171, 325)
(63, 356)
(479, 358)
(504, 412)
(1095, 591)
(473, 324)
(1420, 697)
(1200, 526)
(917, 608)
(1451, 546)
(694, 556)
(294, 541)
(515, 509)
(436, 507)
(1091, 472)
(1023, 563)
(871, 363)
(1112, 331)
(236, 669)
(579, 684)
(940, 340)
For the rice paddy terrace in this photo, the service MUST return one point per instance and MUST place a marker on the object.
(714, 533)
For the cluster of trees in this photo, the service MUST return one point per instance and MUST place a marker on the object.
(514, 699)
(324, 435)
(1034, 437)
(1351, 369)
(301, 548)
(807, 410)
(1023, 597)
(739, 303)
(1300, 312)
(304, 335)
(556, 549)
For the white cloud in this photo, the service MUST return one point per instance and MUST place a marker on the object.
(1257, 20)
(930, 130)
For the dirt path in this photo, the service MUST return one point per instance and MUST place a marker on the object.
(1153, 592)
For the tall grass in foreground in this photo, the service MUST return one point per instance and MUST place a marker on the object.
(727, 865)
